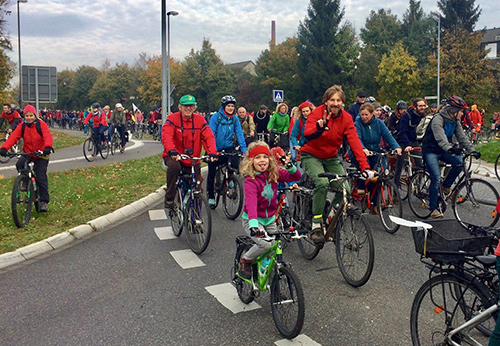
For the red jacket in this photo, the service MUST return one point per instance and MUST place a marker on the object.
(32, 139)
(98, 120)
(476, 117)
(10, 117)
(325, 145)
(192, 133)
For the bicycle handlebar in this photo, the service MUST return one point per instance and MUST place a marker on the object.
(272, 236)
(34, 153)
(188, 157)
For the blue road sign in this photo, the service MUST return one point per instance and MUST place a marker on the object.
(278, 95)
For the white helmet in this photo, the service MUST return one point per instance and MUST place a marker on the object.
(118, 105)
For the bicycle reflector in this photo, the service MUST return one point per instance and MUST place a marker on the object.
(438, 309)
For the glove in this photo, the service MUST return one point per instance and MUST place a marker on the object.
(3, 152)
(213, 155)
(47, 150)
(455, 151)
(255, 232)
(368, 174)
(173, 152)
(476, 154)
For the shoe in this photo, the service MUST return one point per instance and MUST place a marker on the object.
(317, 235)
(44, 207)
(446, 190)
(168, 204)
(245, 268)
(211, 203)
(436, 214)
(122, 149)
(375, 210)
(231, 184)
(361, 192)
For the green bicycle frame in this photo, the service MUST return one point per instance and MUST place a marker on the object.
(277, 253)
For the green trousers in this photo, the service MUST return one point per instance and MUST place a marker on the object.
(313, 166)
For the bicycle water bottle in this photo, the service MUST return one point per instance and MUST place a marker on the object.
(264, 265)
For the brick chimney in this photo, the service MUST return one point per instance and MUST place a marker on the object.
(273, 34)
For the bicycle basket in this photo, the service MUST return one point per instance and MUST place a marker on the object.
(448, 237)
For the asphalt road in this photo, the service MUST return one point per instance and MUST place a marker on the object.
(124, 287)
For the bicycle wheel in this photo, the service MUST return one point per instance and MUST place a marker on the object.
(104, 150)
(404, 183)
(89, 149)
(354, 248)
(418, 194)
(287, 302)
(218, 186)
(476, 206)
(389, 203)
(497, 167)
(445, 302)
(232, 199)
(115, 144)
(176, 215)
(199, 224)
(244, 287)
(22, 200)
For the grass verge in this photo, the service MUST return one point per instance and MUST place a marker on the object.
(78, 196)
(489, 151)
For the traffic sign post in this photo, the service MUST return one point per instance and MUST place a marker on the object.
(39, 84)
(278, 96)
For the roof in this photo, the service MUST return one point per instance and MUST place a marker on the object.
(247, 66)
(491, 35)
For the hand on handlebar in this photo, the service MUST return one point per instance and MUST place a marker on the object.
(258, 233)
(3, 152)
(368, 174)
(213, 157)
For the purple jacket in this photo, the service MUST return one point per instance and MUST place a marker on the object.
(261, 196)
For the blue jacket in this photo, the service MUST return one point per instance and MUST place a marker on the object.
(370, 134)
(295, 133)
(354, 110)
(407, 131)
(225, 129)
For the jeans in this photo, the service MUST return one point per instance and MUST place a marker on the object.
(432, 164)
(98, 132)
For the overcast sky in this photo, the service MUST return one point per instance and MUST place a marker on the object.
(71, 33)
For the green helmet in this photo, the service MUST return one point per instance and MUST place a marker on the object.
(187, 100)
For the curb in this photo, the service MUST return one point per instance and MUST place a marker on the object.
(79, 232)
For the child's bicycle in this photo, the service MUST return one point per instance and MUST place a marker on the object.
(191, 211)
(24, 191)
(345, 226)
(287, 295)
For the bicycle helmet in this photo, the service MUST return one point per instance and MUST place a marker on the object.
(386, 109)
(96, 105)
(225, 100)
(370, 99)
(401, 105)
(456, 102)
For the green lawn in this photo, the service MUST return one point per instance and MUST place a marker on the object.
(489, 151)
(78, 196)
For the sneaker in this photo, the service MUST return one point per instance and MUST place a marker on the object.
(168, 204)
(317, 234)
(436, 214)
(231, 184)
(211, 203)
(446, 190)
(375, 210)
(245, 268)
(44, 207)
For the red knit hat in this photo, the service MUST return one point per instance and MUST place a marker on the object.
(305, 104)
(29, 108)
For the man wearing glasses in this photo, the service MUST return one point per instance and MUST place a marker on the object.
(354, 109)
(185, 132)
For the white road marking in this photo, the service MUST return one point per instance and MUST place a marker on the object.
(226, 295)
(157, 214)
(187, 259)
(301, 339)
(165, 233)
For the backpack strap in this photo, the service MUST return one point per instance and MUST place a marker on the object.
(37, 125)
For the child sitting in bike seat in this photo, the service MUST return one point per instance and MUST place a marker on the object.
(37, 137)
(262, 176)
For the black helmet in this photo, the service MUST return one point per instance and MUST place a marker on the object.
(225, 100)
(370, 99)
(96, 105)
(457, 102)
(401, 105)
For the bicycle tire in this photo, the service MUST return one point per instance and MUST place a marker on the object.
(352, 236)
(287, 302)
(232, 199)
(244, 288)
(428, 316)
(218, 186)
(418, 194)
(176, 215)
(198, 223)
(389, 203)
(478, 208)
(404, 183)
(104, 150)
(22, 200)
(115, 144)
(497, 167)
(89, 149)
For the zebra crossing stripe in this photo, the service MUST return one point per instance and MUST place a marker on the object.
(226, 295)
(165, 233)
(186, 259)
(157, 214)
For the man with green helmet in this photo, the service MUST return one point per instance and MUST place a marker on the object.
(184, 132)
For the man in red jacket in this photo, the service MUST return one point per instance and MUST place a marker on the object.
(12, 117)
(30, 130)
(324, 129)
(185, 132)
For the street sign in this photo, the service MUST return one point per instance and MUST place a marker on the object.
(278, 95)
(39, 83)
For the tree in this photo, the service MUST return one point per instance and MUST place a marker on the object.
(459, 14)
(7, 67)
(398, 76)
(464, 71)
(276, 69)
(65, 85)
(327, 49)
(204, 75)
(85, 77)
(419, 33)
(381, 32)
